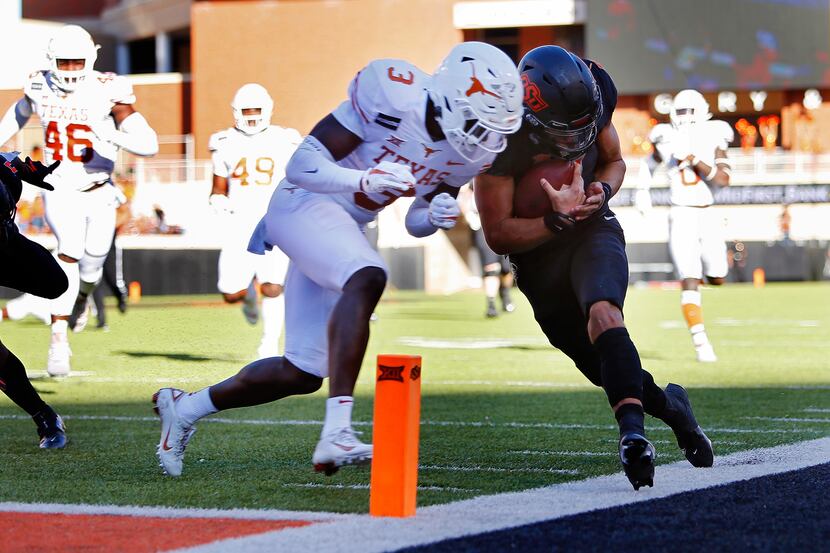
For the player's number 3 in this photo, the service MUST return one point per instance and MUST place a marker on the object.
(263, 165)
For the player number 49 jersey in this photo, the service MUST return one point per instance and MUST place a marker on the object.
(68, 120)
(699, 139)
(387, 110)
(253, 164)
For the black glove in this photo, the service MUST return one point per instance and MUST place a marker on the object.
(34, 172)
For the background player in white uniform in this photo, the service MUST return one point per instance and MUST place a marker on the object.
(248, 161)
(693, 148)
(86, 116)
(400, 133)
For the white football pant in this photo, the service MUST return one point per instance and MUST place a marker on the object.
(697, 243)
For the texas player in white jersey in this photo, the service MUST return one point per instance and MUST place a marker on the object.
(399, 133)
(86, 116)
(248, 161)
(693, 149)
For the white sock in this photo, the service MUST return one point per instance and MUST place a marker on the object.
(338, 413)
(60, 327)
(690, 296)
(194, 406)
(62, 305)
(273, 315)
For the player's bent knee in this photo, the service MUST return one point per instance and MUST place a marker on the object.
(603, 316)
(715, 281)
(369, 279)
(66, 258)
(235, 297)
(271, 290)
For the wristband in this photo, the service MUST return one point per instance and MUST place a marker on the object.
(558, 222)
(712, 173)
(607, 189)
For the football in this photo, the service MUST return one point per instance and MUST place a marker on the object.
(529, 198)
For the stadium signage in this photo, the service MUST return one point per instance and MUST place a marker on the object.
(741, 195)
(753, 101)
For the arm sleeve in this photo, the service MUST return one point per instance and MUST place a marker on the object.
(136, 135)
(417, 219)
(14, 119)
(313, 167)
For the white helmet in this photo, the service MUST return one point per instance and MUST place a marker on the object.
(478, 99)
(71, 43)
(252, 96)
(689, 106)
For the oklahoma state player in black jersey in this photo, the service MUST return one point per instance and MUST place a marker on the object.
(571, 264)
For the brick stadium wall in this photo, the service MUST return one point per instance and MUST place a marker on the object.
(304, 53)
(52, 9)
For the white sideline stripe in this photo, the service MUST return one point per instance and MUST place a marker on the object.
(565, 453)
(515, 383)
(462, 424)
(786, 419)
(497, 512)
(366, 487)
(167, 512)
(477, 468)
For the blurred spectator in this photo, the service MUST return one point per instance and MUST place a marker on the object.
(784, 221)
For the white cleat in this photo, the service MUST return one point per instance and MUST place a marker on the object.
(83, 319)
(338, 448)
(57, 363)
(174, 433)
(705, 353)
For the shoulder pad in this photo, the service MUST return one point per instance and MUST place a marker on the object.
(721, 130)
(218, 139)
(659, 133)
(36, 82)
(119, 89)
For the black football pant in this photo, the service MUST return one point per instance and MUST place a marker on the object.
(563, 278)
(28, 267)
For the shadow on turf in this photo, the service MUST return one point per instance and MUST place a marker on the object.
(174, 356)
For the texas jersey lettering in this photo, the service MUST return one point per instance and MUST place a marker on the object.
(68, 121)
(387, 110)
(253, 165)
(700, 140)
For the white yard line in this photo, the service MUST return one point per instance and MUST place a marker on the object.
(496, 512)
(477, 468)
(459, 424)
(167, 512)
(816, 410)
(787, 419)
(566, 453)
(366, 487)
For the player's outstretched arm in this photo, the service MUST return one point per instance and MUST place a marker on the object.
(314, 164)
(14, 119)
(717, 175)
(133, 133)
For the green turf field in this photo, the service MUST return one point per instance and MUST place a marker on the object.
(501, 410)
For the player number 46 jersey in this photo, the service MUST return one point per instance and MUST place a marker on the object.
(700, 140)
(386, 108)
(68, 120)
(253, 164)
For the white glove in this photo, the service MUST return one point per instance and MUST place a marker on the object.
(443, 211)
(387, 176)
(221, 204)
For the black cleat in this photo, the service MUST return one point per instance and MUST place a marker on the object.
(690, 437)
(491, 310)
(637, 456)
(122, 301)
(51, 429)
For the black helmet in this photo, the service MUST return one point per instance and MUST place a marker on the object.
(562, 100)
